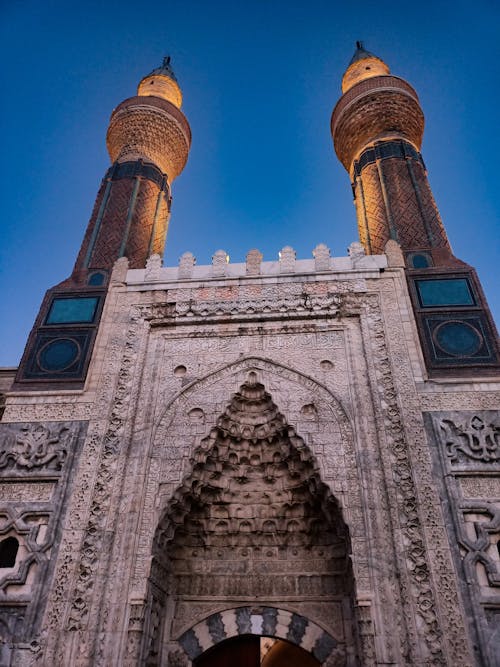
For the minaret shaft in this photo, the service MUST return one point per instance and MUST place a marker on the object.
(148, 141)
(129, 219)
(377, 129)
(394, 200)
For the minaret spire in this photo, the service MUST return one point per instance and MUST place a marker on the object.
(148, 141)
(377, 129)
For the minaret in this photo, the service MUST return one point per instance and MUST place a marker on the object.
(148, 141)
(377, 128)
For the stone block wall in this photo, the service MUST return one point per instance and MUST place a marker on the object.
(337, 352)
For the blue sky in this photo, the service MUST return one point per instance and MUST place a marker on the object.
(259, 81)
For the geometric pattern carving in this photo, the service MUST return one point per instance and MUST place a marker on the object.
(287, 257)
(153, 266)
(321, 254)
(253, 262)
(480, 536)
(472, 438)
(186, 265)
(35, 464)
(469, 458)
(29, 528)
(220, 260)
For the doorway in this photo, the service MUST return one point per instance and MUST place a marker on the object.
(255, 651)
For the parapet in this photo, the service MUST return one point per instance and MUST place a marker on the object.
(356, 264)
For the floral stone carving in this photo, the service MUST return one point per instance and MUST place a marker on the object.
(34, 446)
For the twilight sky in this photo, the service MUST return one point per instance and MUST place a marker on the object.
(260, 80)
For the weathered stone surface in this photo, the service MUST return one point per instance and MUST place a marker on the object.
(258, 444)
(258, 448)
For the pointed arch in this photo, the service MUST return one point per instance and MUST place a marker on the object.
(263, 367)
(251, 515)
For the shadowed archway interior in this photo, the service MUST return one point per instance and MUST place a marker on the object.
(252, 520)
(255, 651)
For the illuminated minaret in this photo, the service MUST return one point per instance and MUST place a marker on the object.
(377, 127)
(148, 142)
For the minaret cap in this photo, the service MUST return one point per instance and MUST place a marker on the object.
(162, 82)
(363, 65)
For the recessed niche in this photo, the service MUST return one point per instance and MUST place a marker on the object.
(309, 411)
(459, 339)
(196, 415)
(65, 310)
(438, 292)
(180, 371)
(8, 552)
(96, 279)
(326, 365)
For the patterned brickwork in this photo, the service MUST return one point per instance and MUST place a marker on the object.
(158, 242)
(370, 200)
(438, 233)
(374, 83)
(80, 260)
(142, 224)
(113, 225)
(107, 245)
(152, 129)
(373, 116)
(392, 195)
(408, 204)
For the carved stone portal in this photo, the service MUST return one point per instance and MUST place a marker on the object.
(251, 521)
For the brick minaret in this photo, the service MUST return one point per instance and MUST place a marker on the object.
(148, 142)
(377, 127)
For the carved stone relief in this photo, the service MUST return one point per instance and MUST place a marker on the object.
(55, 411)
(26, 491)
(155, 435)
(471, 437)
(466, 448)
(253, 519)
(33, 447)
(35, 466)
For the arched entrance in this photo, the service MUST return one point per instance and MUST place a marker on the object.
(269, 633)
(256, 651)
(253, 520)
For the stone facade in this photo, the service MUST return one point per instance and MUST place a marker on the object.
(306, 451)
(257, 450)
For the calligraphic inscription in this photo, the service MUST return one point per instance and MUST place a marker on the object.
(480, 487)
(26, 491)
